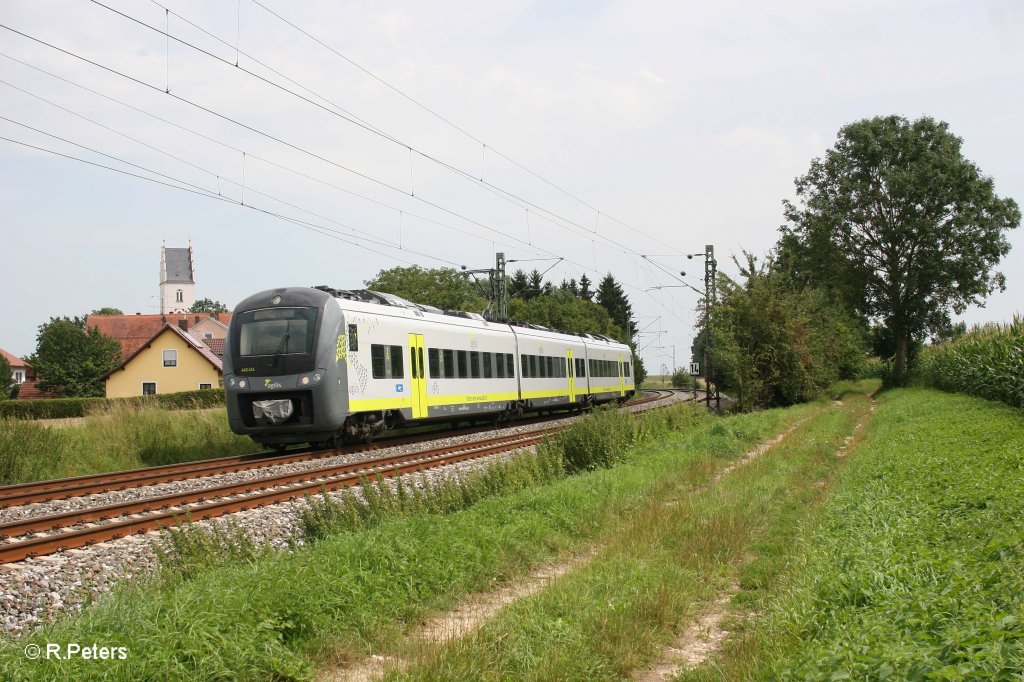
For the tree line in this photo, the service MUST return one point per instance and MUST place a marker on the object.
(893, 230)
(571, 306)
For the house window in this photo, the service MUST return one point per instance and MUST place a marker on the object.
(170, 358)
(149, 388)
(180, 296)
(18, 377)
(205, 386)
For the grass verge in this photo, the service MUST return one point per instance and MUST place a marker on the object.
(657, 572)
(120, 436)
(913, 570)
(270, 616)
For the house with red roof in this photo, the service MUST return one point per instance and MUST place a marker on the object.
(19, 368)
(169, 361)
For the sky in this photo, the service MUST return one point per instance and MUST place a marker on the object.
(439, 133)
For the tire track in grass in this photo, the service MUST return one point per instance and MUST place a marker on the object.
(480, 608)
(465, 618)
(706, 635)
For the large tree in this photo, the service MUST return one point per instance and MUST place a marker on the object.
(444, 288)
(899, 224)
(208, 305)
(71, 360)
(107, 311)
(611, 296)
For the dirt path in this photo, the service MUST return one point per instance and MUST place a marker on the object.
(460, 621)
(697, 643)
(706, 635)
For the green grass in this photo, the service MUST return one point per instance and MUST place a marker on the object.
(121, 436)
(656, 573)
(273, 615)
(914, 569)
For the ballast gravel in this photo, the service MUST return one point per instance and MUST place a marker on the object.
(37, 591)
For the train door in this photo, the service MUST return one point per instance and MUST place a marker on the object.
(418, 376)
(571, 373)
(622, 381)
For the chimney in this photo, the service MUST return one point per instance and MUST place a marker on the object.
(183, 323)
(197, 319)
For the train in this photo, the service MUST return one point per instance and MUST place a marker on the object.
(326, 366)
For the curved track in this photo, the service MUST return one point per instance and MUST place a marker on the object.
(63, 531)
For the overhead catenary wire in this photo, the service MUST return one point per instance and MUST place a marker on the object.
(543, 212)
(248, 153)
(205, 193)
(454, 125)
(296, 147)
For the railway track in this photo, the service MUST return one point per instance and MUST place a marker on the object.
(95, 524)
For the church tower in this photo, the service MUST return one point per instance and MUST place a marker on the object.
(177, 280)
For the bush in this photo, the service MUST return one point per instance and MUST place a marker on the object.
(987, 361)
(58, 408)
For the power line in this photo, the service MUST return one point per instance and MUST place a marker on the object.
(305, 151)
(509, 196)
(192, 189)
(264, 134)
(247, 153)
(462, 130)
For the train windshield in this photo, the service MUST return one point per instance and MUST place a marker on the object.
(276, 331)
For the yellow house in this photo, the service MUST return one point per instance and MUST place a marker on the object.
(170, 362)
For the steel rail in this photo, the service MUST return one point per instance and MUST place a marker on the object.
(148, 504)
(78, 486)
(48, 544)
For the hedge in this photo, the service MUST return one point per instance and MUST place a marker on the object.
(56, 408)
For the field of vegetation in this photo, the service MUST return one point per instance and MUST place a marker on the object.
(874, 539)
(122, 435)
(987, 361)
(913, 570)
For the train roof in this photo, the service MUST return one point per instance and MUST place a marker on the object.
(369, 301)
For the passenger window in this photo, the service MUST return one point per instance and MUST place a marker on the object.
(499, 365)
(377, 361)
(533, 367)
(543, 367)
(510, 365)
(474, 364)
(434, 360)
(463, 363)
(396, 362)
(525, 361)
(488, 371)
(448, 361)
(353, 337)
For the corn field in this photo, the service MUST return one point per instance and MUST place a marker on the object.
(987, 361)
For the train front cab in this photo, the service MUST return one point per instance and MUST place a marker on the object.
(281, 370)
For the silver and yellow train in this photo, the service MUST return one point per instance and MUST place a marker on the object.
(322, 365)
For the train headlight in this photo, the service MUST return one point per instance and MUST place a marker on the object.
(314, 378)
(231, 382)
(242, 383)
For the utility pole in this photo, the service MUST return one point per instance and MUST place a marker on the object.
(499, 286)
(710, 266)
(497, 291)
